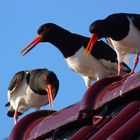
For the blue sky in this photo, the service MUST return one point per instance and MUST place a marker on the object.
(18, 25)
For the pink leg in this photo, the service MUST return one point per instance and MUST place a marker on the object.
(119, 68)
(16, 116)
(136, 60)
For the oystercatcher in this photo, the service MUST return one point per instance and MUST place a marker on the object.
(122, 31)
(99, 64)
(28, 89)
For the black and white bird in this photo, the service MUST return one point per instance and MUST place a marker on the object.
(122, 31)
(99, 64)
(31, 89)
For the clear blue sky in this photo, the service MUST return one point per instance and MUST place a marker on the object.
(18, 25)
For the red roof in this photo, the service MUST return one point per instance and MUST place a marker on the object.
(110, 109)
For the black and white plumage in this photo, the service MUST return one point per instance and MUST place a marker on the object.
(31, 89)
(122, 31)
(72, 46)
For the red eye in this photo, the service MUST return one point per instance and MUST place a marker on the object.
(45, 78)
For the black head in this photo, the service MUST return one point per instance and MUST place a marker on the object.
(44, 82)
(97, 27)
(46, 77)
(48, 32)
(115, 26)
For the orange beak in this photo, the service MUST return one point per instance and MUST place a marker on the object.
(91, 43)
(31, 45)
(49, 90)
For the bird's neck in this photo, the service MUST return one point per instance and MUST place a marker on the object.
(68, 43)
(118, 28)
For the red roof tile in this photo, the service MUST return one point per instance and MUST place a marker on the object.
(109, 110)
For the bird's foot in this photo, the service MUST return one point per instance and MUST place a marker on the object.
(126, 76)
(132, 72)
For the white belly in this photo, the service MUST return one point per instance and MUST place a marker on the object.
(32, 100)
(85, 65)
(35, 100)
(130, 44)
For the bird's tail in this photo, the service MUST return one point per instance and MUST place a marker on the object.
(125, 68)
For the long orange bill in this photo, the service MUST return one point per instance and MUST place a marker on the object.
(91, 43)
(31, 45)
(49, 90)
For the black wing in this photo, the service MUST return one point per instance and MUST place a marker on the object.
(17, 80)
(101, 50)
(136, 21)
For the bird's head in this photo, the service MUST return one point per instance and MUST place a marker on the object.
(46, 83)
(97, 28)
(46, 33)
(97, 31)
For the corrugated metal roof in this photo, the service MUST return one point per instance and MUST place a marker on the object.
(109, 110)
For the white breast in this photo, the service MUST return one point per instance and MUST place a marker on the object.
(88, 65)
(35, 100)
(32, 100)
(130, 44)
